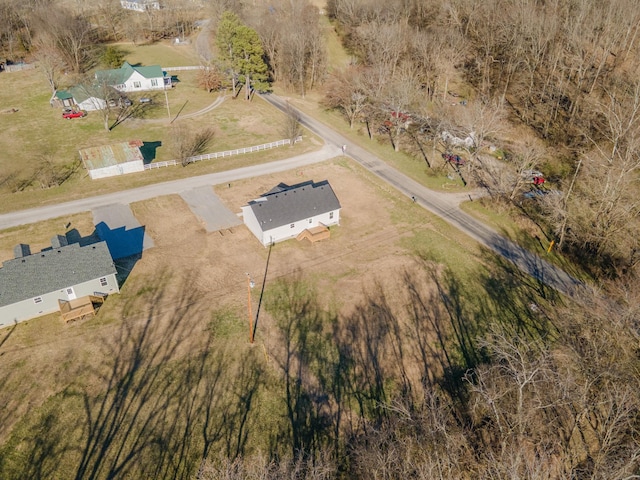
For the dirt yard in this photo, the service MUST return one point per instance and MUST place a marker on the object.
(40, 358)
(363, 248)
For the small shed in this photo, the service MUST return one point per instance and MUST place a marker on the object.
(112, 160)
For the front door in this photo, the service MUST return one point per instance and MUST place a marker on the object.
(70, 293)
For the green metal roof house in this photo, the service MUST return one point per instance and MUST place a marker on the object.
(80, 98)
(32, 284)
(135, 79)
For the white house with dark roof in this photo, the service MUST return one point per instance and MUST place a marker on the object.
(32, 284)
(287, 211)
(134, 79)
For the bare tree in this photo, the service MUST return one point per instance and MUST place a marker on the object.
(292, 128)
(345, 92)
(71, 35)
(210, 78)
(187, 143)
(50, 63)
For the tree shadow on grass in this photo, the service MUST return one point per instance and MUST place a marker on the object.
(164, 396)
(514, 299)
(350, 374)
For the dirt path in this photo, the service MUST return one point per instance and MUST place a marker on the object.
(218, 101)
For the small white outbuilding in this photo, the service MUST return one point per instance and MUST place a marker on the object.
(113, 160)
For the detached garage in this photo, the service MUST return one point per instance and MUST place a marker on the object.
(112, 160)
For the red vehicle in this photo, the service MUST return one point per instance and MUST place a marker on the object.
(69, 114)
(538, 181)
(456, 160)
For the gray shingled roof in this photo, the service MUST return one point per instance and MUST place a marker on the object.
(288, 204)
(51, 270)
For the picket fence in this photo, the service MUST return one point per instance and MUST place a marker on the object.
(226, 153)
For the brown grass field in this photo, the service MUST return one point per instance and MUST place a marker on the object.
(377, 240)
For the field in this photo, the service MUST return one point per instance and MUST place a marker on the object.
(165, 375)
(192, 286)
(35, 133)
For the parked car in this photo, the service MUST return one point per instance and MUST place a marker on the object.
(121, 102)
(69, 114)
(145, 100)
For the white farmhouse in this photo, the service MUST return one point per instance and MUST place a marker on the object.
(79, 98)
(299, 211)
(134, 79)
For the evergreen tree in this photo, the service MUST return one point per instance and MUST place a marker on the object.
(242, 53)
(227, 28)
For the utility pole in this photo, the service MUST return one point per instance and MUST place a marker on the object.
(564, 205)
(166, 100)
(250, 285)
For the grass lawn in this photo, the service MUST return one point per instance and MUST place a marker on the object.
(165, 54)
(37, 132)
(181, 318)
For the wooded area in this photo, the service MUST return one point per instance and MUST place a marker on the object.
(451, 384)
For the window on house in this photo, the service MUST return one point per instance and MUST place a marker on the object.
(293, 225)
(310, 220)
(103, 282)
(136, 85)
(154, 82)
(330, 214)
(37, 300)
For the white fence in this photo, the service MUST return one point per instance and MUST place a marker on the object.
(180, 69)
(226, 153)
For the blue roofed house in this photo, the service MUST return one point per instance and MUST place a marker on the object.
(134, 79)
(303, 211)
(37, 284)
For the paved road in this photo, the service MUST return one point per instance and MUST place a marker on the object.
(33, 215)
(445, 206)
(202, 42)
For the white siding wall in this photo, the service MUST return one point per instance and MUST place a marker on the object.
(92, 104)
(285, 232)
(251, 222)
(115, 170)
(26, 309)
(145, 83)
